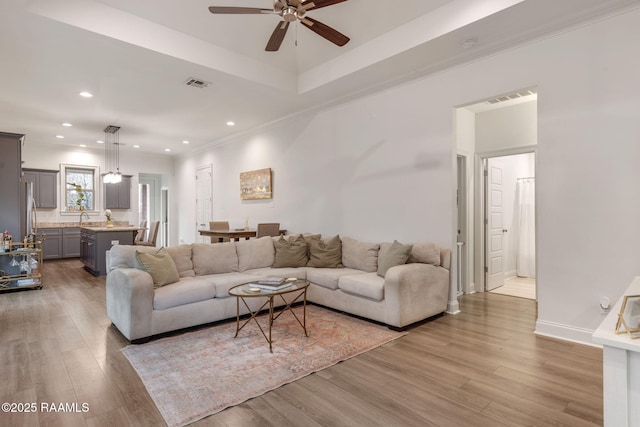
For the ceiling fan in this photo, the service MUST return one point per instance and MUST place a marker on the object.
(290, 10)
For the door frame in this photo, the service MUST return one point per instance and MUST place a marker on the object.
(480, 203)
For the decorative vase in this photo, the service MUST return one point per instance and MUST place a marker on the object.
(109, 223)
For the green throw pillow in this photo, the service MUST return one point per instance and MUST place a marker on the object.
(160, 266)
(325, 253)
(397, 254)
(290, 253)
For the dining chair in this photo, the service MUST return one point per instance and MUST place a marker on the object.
(152, 236)
(219, 226)
(141, 232)
(268, 229)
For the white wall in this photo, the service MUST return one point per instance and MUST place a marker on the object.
(41, 156)
(509, 127)
(381, 167)
(344, 171)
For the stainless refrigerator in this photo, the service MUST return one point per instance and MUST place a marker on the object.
(28, 214)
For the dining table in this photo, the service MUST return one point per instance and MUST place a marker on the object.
(233, 235)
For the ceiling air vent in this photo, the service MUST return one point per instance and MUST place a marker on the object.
(199, 83)
(521, 94)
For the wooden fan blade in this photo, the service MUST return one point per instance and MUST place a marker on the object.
(317, 4)
(238, 10)
(334, 36)
(277, 36)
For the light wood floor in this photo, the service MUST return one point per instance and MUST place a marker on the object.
(522, 287)
(483, 367)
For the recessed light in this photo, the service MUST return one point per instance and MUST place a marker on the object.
(67, 124)
(230, 123)
(136, 146)
(185, 142)
(86, 94)
(60, 136)
(167, 149)
(83, 145)
(100, 141)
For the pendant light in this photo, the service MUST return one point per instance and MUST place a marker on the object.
(112, 155)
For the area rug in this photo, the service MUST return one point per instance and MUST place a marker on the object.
(197, 374)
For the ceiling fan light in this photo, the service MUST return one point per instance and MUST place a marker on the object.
(289, 14)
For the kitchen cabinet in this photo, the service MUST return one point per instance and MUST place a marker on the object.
(71, 242)
(96, 241)
(60, 242)
(45, 184)
(12, 216)
(118, 196)
(51, 242)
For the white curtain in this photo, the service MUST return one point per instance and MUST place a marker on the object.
(526, 256)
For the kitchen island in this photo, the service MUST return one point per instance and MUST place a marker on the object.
(96, 241)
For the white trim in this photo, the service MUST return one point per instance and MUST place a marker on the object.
(453, 307)
(565, 332)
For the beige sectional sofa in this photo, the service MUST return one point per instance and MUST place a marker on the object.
(370, 280)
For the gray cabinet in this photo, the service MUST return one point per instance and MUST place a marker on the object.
(71, 242)
(11, 212)
(51, 243)
(60, 242)
(45, 184)
(95, 244)
(118, 196)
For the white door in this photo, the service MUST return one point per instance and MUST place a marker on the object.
(495, 225)
(204, 201)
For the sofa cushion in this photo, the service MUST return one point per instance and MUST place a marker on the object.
(328, 277)
(360, 255)
(425, 252)
(325, 253)
(225, 281)
(188, 290)
(368, 285)
(291, 252)
(255, 253)
(282, 273)
(181, 256)
(392, 254)
(124, 256)
(214, 258)
(160, 266)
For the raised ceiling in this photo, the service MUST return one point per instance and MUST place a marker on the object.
(135, 57)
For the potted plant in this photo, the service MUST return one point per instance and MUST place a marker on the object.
(80, 201)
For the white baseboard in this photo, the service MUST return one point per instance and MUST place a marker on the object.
(453, 307)
(565, 332)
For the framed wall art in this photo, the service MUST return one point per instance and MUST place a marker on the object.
(256, 184)
(629, 317)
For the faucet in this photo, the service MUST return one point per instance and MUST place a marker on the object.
(81, 214)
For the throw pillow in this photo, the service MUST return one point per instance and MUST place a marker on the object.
(392, 255)
(360, 255)
(426, 253)
(214, 258)
(325, 253)
(255, 253)
(160, 266)
(181, 256)
(290, 252)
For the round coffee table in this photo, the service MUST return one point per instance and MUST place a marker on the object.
(251, 290)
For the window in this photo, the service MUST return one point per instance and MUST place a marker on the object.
(79, 183)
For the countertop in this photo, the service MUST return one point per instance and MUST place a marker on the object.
(99, 224)
(104, 229)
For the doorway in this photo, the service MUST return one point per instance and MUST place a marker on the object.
(509, 224)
